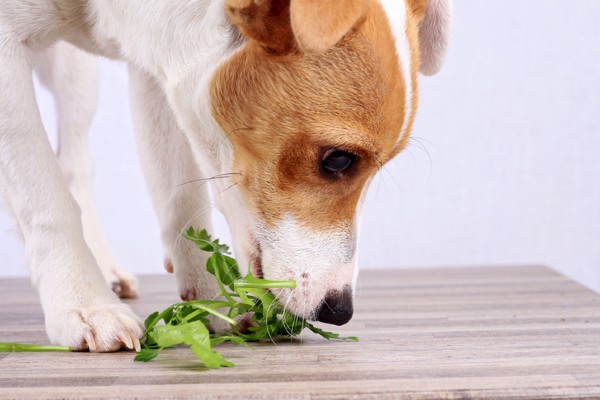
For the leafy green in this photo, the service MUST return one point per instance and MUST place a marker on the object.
(27, 347)
(247, 296)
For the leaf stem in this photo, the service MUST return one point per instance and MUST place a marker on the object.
(264, 284)
(28, 347)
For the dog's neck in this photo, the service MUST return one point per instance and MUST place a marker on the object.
(180, 44)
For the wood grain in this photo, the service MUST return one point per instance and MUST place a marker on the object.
(459, 333)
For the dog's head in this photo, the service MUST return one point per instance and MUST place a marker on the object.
(321, 94)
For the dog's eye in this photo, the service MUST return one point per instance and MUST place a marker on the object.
(337, 163)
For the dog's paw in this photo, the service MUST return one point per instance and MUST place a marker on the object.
(121, 282)
(193, 281)
(98, 328)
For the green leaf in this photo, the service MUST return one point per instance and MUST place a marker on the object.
(148, 342)
(239, 309)
(189, 333)
(167, 315)
(211, 266)
(150, 320)
(145, 355)
(329, 335)
(204, 241)
(201, 239)
(230, 271)
(209, 357)
(186, 322)
(217, 340)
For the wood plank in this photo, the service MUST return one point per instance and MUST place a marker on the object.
(456, 333)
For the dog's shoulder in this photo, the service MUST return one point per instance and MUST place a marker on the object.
(41, 22)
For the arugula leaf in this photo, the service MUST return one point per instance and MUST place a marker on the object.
(150, 319)
(329, 335)
(147, 354)
(247, 296)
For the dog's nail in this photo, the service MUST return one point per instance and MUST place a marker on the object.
(116, 288)
(136, 343)
(188, 295)
(126, 340)
(89, 339)
(168, 265)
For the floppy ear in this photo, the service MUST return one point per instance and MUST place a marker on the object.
(266, 21)
(313, 26)
(434, 33)
(319, 25)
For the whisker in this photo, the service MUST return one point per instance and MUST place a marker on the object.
(212, 178)
(196, 214)
(235, 132)
(419, 142)
(312, 294)
(385, 169)
(287, 328)
(188, 223)
(267, 323)
(328, 306)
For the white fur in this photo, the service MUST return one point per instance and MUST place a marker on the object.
(63, 266)
(166, 80)
(80, 310)
(172, 49)
(319, 261)
(72, 77)
(396, 13)
(434, 35)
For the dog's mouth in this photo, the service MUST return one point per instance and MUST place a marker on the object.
(256, 262)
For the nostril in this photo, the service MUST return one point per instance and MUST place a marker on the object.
(336, 308)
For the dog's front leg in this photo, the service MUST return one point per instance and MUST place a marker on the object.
(71, 75)
(80, 309)
(177, 186)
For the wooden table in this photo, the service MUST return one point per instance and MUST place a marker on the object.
(460, 333)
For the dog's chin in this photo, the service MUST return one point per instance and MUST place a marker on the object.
(283, 296)
(296, 307)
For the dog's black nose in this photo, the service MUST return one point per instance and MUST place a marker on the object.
(337, 307)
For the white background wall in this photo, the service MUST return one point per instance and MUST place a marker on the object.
(504, 167)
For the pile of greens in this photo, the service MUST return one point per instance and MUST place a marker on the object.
(186, 322)
(238, 297)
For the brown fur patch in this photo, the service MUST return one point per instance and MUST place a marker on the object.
(320, 24)
(418, 8)
(280, 111)
(266, 22)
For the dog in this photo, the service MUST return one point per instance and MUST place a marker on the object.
(290, 107)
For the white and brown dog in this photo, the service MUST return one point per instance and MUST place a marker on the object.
(293, 105)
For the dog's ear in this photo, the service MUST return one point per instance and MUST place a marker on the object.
(319, 25)
(435, 22)
(266, 21)
(313, 26)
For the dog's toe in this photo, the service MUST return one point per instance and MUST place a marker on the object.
(116, 288)
(189, 294)
(122, 283)
(128, 288)
(101, 328)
